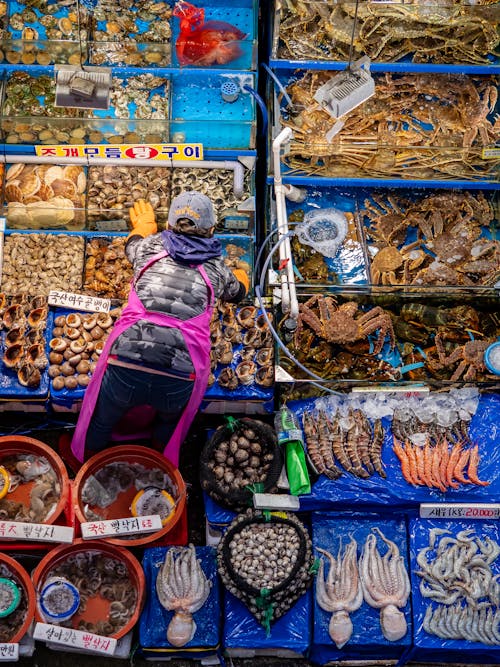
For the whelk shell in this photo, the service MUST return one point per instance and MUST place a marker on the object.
(13, 355)
(29, 375)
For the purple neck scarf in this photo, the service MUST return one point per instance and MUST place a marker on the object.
(190, 249)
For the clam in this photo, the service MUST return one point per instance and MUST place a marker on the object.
(54, 370)
(70, 382)
(58, 383)
(56, 358)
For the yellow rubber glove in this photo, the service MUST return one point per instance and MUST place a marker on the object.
(142, 217)
(242, 277)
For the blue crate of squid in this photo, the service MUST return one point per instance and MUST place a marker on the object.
(355, 631)
(455, 573)
(394, 490)
(202, 629)
(242, 14)
(289, 636)
(213, 108)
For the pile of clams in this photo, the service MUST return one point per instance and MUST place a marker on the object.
(271, 553)
(241, 453)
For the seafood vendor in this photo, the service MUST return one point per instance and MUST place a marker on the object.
(158, 353)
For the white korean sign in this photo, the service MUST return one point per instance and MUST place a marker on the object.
(74, 638)
(460, 511)
(95, 530)
(91, 304)
(35, 532)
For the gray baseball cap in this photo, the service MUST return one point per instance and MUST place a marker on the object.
(194, 206)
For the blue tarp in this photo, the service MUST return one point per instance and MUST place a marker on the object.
(394, 490)
(155, 618)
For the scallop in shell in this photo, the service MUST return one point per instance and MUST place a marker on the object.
(13, 193)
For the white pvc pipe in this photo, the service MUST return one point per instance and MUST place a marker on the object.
(236, 167)
(289, 303)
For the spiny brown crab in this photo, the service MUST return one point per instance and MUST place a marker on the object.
(344, 324)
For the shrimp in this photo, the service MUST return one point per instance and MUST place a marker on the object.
(473, 464)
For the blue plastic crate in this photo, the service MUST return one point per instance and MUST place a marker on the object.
(243, 15)
(155, 618)
(428, 647)
(367, 640)
(11, 388)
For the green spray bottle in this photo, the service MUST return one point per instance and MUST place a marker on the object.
(290, 437)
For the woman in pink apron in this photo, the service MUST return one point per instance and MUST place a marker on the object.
(158, 353)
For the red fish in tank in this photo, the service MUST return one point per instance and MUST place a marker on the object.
(203, 42)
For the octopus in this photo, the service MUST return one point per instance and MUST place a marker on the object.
(341, 593)
(183, 588)
(385, 583)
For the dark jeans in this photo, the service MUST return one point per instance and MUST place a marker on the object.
(124, 388)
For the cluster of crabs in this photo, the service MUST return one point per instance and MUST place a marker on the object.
(351, 340)
(448, 246)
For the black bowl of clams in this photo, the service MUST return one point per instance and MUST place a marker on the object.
(241, 457)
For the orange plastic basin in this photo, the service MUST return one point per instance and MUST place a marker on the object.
(14, 445)
(23, 580)
(97, 606)
(121, 507)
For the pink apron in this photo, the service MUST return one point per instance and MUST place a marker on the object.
(196, 332)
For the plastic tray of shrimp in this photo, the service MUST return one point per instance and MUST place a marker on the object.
(419, 37)
(439, 237)
(389, 449)
(349, 549)
(455, 615)
(433, 337)
(24, 346)
(416, 126)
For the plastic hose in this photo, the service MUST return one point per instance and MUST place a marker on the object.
(262, 107)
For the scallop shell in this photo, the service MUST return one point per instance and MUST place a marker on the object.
(63, 187)
(45, 192)
(41, 170)
(30, 184)
(81, 183)
(52, 173)
(13, 193)
(65, 25)
(14, 171)
(71, 172)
